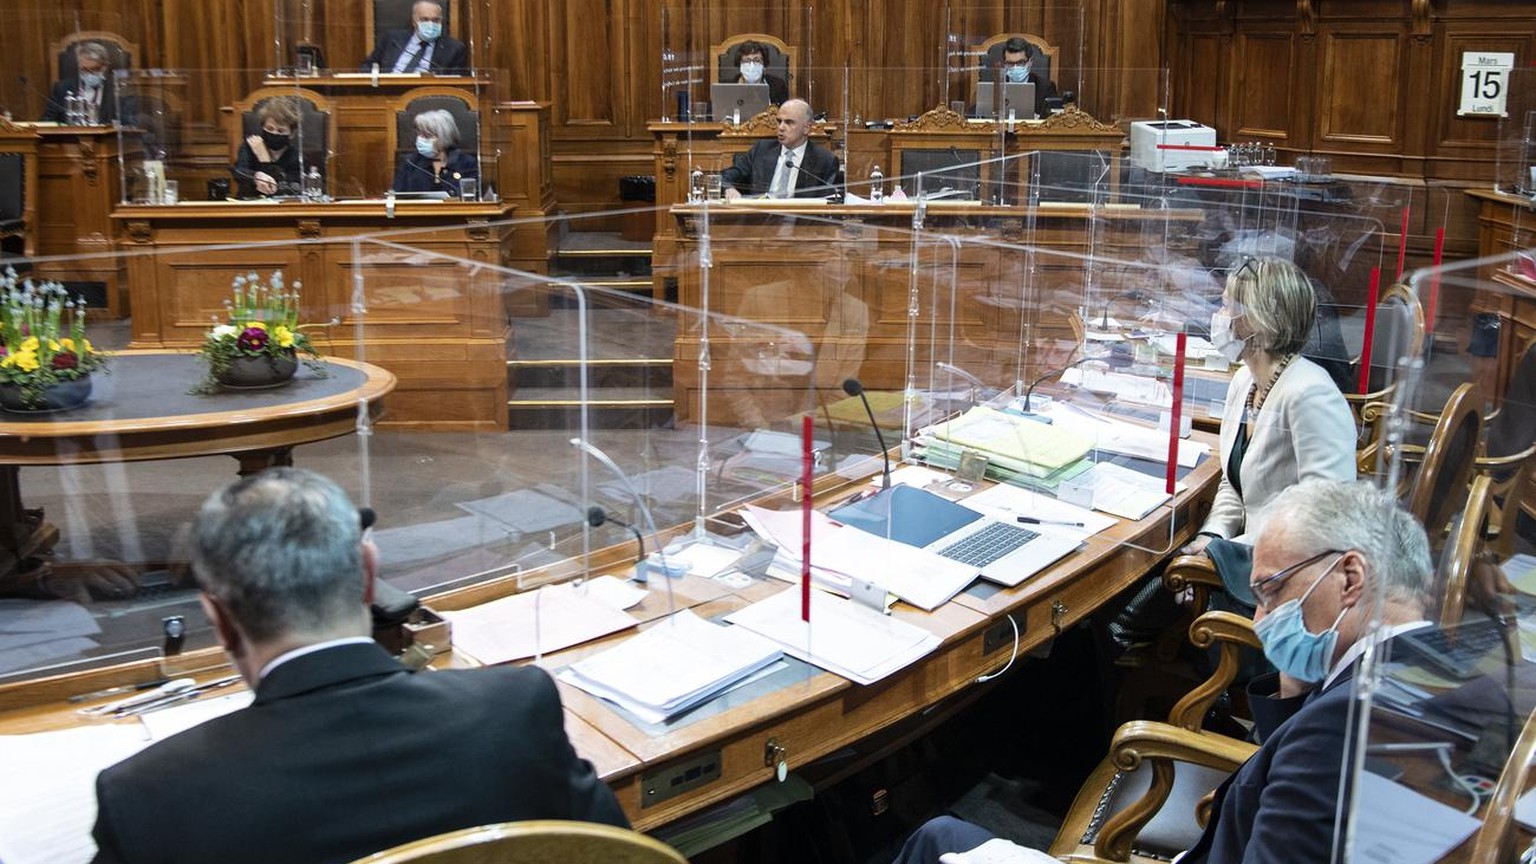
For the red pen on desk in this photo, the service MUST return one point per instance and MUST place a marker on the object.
(807, 472)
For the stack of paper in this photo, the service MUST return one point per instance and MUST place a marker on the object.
(840, 554)
(1017, 443)
(1118, 436)
(674, 665)
(534, 622)
(48, 802)
(842, 637)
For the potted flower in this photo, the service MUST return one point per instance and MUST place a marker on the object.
(260, 341)
(45, 360)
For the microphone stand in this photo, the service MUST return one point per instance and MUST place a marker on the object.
(853, 387)
(1057, 371)
(645, 511)
(977, 385)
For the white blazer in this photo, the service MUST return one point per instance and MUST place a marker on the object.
(1304, 429)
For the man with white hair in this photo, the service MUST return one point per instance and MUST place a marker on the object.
(1328, 551)
(790, 166)
(92, 82)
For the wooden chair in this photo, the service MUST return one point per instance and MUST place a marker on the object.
(1509, 454)
(317, 124)
(532, 842)
(120, 51)
(1496, 841)
(1149, 797)
(780, 61)
(1460, 554)
(1399, 335)
(989, 54)
(18, 190)
(1445, 463)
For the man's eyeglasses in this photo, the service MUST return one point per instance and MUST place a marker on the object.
(1264, 589)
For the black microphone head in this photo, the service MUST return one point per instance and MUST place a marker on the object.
(596, 516)
(852, 387)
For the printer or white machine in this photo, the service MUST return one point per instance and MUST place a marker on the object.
(1172, 145)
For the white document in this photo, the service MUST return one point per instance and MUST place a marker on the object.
(673, 665)
(1132, 388)
(1396, 825)
(179, 718)
(613, 592)
(534, 622)
(48, 799)
(1520, 570)
(1118, 436)
(842, 637)
(1006, 503)
(838, 553)
(1118, 490)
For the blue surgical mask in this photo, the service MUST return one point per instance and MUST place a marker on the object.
(1018, 74)
(92, 80)
(429, 30)
(752, 71)
(426, 146)
(1288, 643)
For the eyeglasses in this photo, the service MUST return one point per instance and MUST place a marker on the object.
(1249, 269)
(1264, 589)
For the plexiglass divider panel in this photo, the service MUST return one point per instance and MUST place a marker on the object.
(1517, 135)
(54, 35)
(1441, 718)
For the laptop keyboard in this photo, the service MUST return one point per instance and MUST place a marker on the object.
(1455, 652)
(988, 544)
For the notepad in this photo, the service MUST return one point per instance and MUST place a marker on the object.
(1028, 446)
(534, 622)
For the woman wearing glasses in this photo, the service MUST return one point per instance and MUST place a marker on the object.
(1285, 419)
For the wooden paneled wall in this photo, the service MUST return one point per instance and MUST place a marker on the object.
(1370, 82)
(598, 62)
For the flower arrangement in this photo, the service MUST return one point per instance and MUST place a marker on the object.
(42, 338)
(261, 321)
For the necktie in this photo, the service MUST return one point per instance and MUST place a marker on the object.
(785, 179)
(410, 64)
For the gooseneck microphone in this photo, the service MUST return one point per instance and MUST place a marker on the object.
(852, 387)
(596, 516)
(645, 513)
(1057, 371)
(832, 191)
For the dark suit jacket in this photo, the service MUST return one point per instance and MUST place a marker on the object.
(752, 172)
(1280, 805)
(449, 57)
(344, 753)
(55, 111)
(415, 173)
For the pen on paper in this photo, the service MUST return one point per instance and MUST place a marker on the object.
(114, 691)
(175, 685)
(1030, 520)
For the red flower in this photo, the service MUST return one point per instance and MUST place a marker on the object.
(252, 339)
(66, 360)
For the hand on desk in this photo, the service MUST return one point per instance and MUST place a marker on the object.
(732, 193)
(84, 581)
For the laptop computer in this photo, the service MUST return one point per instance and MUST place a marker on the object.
(1003, 553)
(741, 101)
(1019, 97)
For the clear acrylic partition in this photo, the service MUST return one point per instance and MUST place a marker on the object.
(1442, 715)
(1517, 135)
(975, 39)
(169, 118)
(107, 470)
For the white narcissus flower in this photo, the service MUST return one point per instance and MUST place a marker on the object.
(225, 331)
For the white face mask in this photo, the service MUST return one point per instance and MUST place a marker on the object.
(1226, 343)
(752, 71)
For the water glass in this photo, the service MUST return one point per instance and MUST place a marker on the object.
(172, 192)
(713, 188)
(469, 189)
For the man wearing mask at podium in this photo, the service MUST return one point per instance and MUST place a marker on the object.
(423, 48)
(92, 82)
(750, 58)
(1018, 68)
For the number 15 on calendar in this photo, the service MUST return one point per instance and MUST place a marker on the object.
(1484, 84)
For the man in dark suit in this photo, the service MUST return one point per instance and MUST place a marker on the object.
(423, 48)
(1019, 68)
(1326, 552)
(92, 82)
(343, 752)
(791, 166)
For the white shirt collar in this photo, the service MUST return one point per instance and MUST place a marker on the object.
(798, 152)
(309, 649)
(1354, 651)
